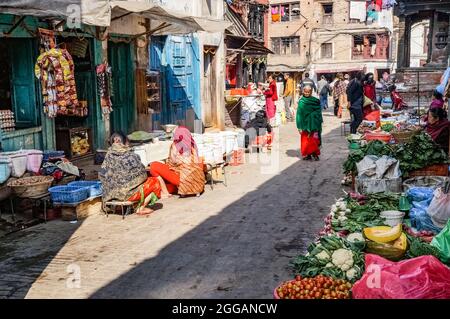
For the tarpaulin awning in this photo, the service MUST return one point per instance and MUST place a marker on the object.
(175, 23)
(100, 13)
(247, 44)
(91, 12)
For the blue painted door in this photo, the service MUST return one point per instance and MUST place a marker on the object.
(181, 68)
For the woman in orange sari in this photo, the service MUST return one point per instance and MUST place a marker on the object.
(183, 174)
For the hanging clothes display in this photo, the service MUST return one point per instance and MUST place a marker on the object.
(55, 69)
(358, 10)
(104, 84)
(388, 4)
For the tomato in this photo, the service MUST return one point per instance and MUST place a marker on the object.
(333, 294)
(318, 295)
(308, 287)
(298, 277)
(297, 289)
(349, 285)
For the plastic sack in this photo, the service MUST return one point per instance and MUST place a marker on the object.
(423, 277)
(442, 242)
(420, 220)
(439, 209)
(419, 194)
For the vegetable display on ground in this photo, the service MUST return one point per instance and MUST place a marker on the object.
(318, 287)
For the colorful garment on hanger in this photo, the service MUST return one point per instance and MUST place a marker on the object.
(55, 69)
(105, 88)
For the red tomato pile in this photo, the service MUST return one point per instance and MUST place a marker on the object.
(319, 287)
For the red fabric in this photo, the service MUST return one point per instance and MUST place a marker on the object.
(309, 144)
(271, 108)
(272, 91)
(183, 140)
(370, 115)
(171, 177)
(437, 104)
(152, 185)
(370, 92)
(423, 277)
(437, 128)
(231, 74)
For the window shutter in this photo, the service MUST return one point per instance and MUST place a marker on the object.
(23, 83)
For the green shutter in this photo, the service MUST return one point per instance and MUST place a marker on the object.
(23, 82)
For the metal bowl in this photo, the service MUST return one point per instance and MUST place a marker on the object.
(169, 128)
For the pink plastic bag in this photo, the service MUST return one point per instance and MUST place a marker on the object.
(423, 277)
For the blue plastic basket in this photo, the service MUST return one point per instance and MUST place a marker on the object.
(68, 194)
(95, 187)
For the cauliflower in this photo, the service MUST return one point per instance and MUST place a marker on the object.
(343, 259)
(323, 255)
(342, 213)
(355, 237)
(348, 211)
(329, 265)
(351, 273)
(334, 209)
(342, 218)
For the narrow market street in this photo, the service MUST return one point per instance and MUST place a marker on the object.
(232, 242)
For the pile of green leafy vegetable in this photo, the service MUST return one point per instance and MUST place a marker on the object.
(332, 256)
(420, 152)
(367, 213)
(377, 148)
(417, 247)
(387, 127)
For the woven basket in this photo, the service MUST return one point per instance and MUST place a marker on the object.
(432, 170)
(404, 136)
(33, 186)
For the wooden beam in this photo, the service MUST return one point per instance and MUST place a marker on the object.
(16, 24)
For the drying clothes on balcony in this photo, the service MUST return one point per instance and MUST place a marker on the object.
(358, 10)
(276, 17)
(385, 19)
(373, 50)
(388, 4)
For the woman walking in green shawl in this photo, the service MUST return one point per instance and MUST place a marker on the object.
(309, 124)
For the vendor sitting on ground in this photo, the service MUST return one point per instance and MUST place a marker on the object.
(183, 173)
(124, 177)
(438, 127)
(259, 126)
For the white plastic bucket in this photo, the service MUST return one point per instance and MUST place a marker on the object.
(230, 141)
(392, 217)
(142, 153)
(208, 154)
(19, 163)
(198, 138)
(34, 160)
(5, 169)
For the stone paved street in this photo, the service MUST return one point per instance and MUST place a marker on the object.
(232, 242)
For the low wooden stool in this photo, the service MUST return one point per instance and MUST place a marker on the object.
(218, 166)
(126, 207)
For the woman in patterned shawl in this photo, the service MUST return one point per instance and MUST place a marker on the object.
(124, 177)
(183, 173)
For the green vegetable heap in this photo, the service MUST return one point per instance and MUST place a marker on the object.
(420, 152)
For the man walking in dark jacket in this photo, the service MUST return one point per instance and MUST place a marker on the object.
(308, 82)
(355, 96)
